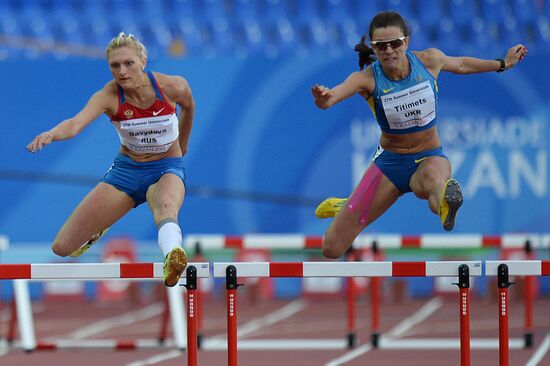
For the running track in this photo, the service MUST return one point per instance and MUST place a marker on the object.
(285, 324)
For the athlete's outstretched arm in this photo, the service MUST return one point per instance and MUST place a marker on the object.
(358, 81)
(472, 65)
(71, 127)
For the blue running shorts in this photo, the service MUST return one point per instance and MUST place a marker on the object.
(399, 168)
(134, 178)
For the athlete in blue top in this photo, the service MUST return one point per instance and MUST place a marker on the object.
(401, 89)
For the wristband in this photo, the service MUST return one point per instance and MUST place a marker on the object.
(502, 64)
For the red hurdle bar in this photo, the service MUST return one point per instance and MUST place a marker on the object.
(231, 286)
(345, 269)
(390, 241)
(192, 338)
(529, 294)
(198, 257)
(464, 313)
(375, 299)
(351, 295)
(503, 270)
(96, 271)
(503, 336)
(384, 241)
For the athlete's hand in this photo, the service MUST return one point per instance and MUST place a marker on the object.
(322, 95)
(39, 142)
(515, 55)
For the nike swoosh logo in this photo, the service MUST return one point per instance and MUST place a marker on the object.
(420, 160)
(388, 90)
(157, 112)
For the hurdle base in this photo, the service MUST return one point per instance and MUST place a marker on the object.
(529, 340)
(351, 340)
(375, 340)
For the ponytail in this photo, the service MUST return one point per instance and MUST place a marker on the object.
(366, 54)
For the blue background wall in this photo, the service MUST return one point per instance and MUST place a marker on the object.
(257, 130)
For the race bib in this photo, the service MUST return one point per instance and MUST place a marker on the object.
(411, 107)
(150, 134)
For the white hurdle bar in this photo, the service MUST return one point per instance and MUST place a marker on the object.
(462, 270)
(21, 273)
(384, 241)
(90, 271)
(519, 267)
(348, 269)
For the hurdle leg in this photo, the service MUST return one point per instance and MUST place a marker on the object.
(528, 335)
(503, 337)
(165, 318)
(10, 336)
(351, 337)
(375, 310)
(198, 311)
(231, 286)
(24, 315)
(529, 287)
(464, 313)
(375, 299)
(175, 300)
(191, 285)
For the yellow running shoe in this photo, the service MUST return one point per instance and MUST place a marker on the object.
(83, 249)
(174, 264)
(330, 207)
(451, 200)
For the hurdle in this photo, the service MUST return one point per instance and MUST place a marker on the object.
(504, 269)
(384, 241)
(21, 273)
(462, 270)
(528, 242)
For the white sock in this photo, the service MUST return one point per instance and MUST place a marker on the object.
(169, 237)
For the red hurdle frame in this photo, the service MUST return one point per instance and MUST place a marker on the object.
(399, 269)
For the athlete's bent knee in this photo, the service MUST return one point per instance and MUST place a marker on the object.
(60, 249)
(330, 250)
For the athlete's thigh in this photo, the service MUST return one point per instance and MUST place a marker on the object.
(349, 222)
(432, 170)
(100, 209)
(169, 189)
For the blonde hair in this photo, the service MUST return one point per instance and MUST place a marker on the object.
(127, 40)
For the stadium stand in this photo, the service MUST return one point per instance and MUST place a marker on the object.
(46, 28)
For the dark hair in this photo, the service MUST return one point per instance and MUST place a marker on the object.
(381, 20)
(366, 54)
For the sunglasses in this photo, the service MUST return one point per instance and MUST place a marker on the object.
(393, 43)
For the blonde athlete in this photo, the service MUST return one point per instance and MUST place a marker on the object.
(149, 167)
(401, 89)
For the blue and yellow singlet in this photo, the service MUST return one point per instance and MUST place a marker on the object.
(407, 105)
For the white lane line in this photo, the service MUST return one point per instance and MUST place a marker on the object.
(283, 313)
(350, 355)
(258, 323)
(540, 353)
(450, 343)
(418, 317)
(424, 312)
(115, 322)
(277, 344)
(156, 359)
